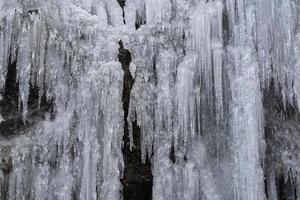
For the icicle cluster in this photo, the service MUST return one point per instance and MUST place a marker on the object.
(60, 49)
(201, 72)
(176, 69)
(223, 59)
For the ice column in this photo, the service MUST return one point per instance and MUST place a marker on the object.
(247, 129)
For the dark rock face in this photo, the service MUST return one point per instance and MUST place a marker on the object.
(281, 133)
(122, 4)
(137, 178)
(9, 104)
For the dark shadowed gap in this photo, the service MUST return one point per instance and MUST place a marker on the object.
(137, 179)
(9, 111)
(122, 5)
(6, 167)
(140, 20)
(225, 27)
(276, 117)
(9, 106)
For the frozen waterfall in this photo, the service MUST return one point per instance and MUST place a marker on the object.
(149, 100)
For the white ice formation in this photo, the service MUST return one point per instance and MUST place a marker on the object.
(202, 71)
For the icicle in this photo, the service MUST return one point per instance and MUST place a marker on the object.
(276, 36)
(191, 182)
(162, 170)
(297, 184)
(2, 62)
(263, 18)
(218, 81)
(272, 188)
(297, 70)
(165, 67)
(132, 12)
(114, 13)
(206, 177)
(246, 126)
(100, 131)
(206, 39)
(246, 105)
(157, 11)
(142, 109)
(65, 156)
(186, 99)
(142, 98)
(34, 41)
(23, 69)
(40, 57)
(6, 37)
(89, 168)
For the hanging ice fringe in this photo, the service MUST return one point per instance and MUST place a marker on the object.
(216, 97)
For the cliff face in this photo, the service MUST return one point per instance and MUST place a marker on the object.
(149, 99)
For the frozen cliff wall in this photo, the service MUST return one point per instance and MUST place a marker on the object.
(150, 99)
